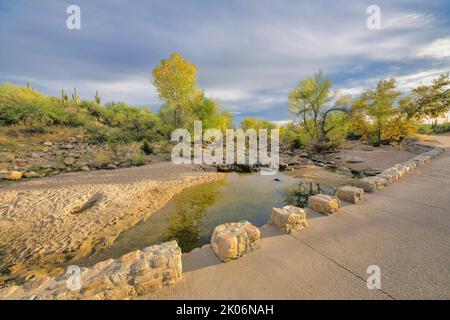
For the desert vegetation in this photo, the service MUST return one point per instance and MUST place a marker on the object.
(323, 118)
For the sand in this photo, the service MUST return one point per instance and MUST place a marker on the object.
(42, 228)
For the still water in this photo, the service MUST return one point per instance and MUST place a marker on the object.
(190, 217)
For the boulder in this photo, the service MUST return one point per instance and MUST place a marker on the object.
(350, 194)
(324, 204)
(372, 184)
(136, 273)
(85, 168)
(12, 175)
(289, 218)
(69, 161)
(232, 240)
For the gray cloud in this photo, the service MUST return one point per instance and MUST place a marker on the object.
(248, 53)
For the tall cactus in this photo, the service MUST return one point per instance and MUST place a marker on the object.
(64, 96)
(28, 87)
(75, 96)
(97, 98)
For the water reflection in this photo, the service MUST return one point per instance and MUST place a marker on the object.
(190, 217)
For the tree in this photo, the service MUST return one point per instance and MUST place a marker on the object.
(431, 101)
(176, 81)
(379, 103)
(255, 123)
(313, 101)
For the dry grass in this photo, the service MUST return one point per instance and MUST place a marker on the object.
(13, 137)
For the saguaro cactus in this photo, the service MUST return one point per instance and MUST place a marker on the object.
(28, 87)
(97, 98)
(75, 96)
(64, 96)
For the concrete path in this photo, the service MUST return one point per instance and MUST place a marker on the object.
(404, 229)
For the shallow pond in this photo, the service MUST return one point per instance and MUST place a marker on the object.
(190, 217)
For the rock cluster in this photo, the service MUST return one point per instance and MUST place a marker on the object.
(232, 240)
(324, 204)
(289, 218)
(413, 146)
(73, 154)
(136, 273)
(390, 175)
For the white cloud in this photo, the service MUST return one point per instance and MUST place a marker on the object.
(411, 20)
(439, 49)
(404, 82)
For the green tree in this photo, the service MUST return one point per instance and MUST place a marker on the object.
(255, 123)
(176, 81)
(379, 103)
(312, 101)
(431, 101)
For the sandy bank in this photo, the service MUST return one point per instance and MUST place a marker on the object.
(40, 231)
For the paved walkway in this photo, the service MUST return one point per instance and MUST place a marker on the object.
(404, 229)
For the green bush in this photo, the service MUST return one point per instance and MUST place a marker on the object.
(146, 148)
(434, 129)
(442, 128)
(137, 159)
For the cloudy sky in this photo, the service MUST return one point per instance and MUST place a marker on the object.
(249, 53)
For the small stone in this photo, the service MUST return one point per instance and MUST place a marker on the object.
(67, 146)
(31, 174)
(350, 194)
(12, 175)
(324, 204)
(85, 168)
(35, 155)
(48, 143)
(69, 161)
(111, 167)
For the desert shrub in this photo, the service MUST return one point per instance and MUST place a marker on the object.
(441, 128)
(146, 148)
(298, 196)
(397, 128)
(292, 136)
(102, 159)
(425, 129)
(137, 159)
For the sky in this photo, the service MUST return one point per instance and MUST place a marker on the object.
(249, 53)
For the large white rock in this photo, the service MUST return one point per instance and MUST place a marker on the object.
(372, 184)
(350, 194)
(289, 218)
(232, 240)
(136, 273)
(324, 204)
